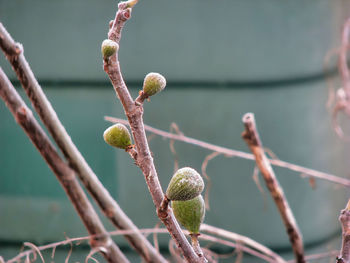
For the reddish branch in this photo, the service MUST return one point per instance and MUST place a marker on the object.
(344, 219)
(251, 137)
(24, 117)
(343, 65)
(134, 113)
(14, 54)
(234, 153)
(343, 94)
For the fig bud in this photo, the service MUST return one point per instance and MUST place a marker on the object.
(185, 184)
(109, 48)
(118, 136)
(153, 83)
(190, 213)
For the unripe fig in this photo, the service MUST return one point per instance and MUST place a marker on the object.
(153, 83)
(185, 184)
(117, 136)
(108, 48)
(190, 213)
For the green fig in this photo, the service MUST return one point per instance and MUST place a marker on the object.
(153, 83)
(118, 136)
(190, 213)
(185, 184)
(109, 48)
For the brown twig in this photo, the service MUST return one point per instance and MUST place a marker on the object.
(205, 175)
(344, 219)
(238, 246)
(63, 172)
(328, 254)
(134, 113)
(246, 244)
(243, 240)
(196, 246)
(342, 63)
(251, 137)
(234, 153)
(14, 53)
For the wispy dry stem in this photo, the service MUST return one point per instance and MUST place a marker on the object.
(235, 153)
(242, 240)
(251, 137)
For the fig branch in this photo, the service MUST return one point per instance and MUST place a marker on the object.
(344, 219)
(102, 242)
(251, 137)
(134, 112)
(14, 54)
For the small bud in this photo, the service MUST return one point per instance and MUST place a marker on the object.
(185, 184)
(153, 83)
(117, 136)
(190, 213)
(109, 48)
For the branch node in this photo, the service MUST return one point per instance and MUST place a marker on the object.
(162, 210)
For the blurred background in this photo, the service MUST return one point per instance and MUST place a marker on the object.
(221, 59)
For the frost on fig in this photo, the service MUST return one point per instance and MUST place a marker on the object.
(109, 48)
(117, 136)
(153, 83)
(190, 213)
(185, 184)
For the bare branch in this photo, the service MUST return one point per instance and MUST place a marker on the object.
(234, 153)
(243, 240)
(342, 63)
(344, 219)
(14, 53)
(63, 172)
(328, 254)
(251, 137)
(134, 113)
(246, 244)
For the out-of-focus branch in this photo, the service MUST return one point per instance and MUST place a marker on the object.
(342, 102)
(343, 63)
(243, 240)
(102, 242)
(134, 113)
(251, 137)
(344, 219)
(14, 53)
(244, 243)
(234, 153)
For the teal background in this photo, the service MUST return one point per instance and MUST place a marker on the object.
(221, 60)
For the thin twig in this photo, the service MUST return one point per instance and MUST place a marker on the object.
(251, 137)
(205, 175)
(14, 53)
(134, 113)
(328, 254)
(63, 172)
(343, 63)
(344, 219)
(343, 101)
(246, 244)
(234, 153)
(243, 240)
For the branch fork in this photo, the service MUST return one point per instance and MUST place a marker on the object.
(134, 112)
